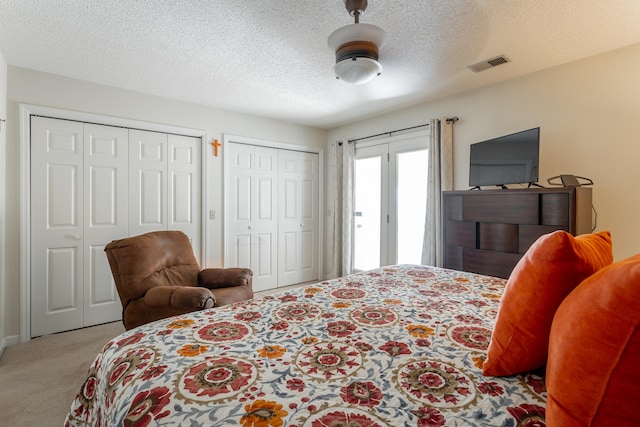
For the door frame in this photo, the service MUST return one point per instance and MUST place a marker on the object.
(230, 138)
(28, 110)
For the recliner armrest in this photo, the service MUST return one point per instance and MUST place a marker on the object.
(180, 297)
(215, 278)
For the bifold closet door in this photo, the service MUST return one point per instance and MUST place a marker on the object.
(251, 213)
(78, 204)
(298, 217)
(91, 184)
(271, 214)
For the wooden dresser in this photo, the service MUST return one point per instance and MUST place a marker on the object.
(488, 231)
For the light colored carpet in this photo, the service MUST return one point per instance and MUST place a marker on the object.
(39, 379)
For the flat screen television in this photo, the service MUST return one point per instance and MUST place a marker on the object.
(509, 159)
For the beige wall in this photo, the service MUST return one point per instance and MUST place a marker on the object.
(32, 87)
(589, 115)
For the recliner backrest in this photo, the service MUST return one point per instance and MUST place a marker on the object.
(159, 258)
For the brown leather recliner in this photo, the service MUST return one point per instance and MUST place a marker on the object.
(158, 276)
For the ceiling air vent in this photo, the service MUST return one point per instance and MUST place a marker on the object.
(488, 63)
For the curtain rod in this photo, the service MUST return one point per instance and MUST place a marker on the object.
(449, 120)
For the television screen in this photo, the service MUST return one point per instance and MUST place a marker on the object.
(509, 159)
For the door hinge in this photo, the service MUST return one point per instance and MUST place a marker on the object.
(387, 218)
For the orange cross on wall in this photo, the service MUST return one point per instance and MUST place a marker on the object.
(215, 144)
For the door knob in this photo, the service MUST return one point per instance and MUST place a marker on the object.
(73, 236)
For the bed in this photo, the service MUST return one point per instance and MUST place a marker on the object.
(400, 345)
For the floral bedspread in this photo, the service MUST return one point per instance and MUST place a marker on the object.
(397, 346)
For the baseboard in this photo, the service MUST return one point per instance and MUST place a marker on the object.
(9, 341)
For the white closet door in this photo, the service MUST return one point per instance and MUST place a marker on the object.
(105, 217)
(184, 189)
(265, 225)
(147, 182)
(251, 221)
(239, 215)
(298, 217)
(309, 215)
(91, 184)
(56, 225)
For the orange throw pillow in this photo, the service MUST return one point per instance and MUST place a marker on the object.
(552, 267)
(593, 374)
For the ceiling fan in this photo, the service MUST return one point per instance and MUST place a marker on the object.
(356, 47)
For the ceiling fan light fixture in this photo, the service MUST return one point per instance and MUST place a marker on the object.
(356, 47)
(357, 70)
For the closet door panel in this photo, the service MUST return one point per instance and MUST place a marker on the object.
(240, 231)
(182, 207)
(289, 225)
(103, 206)
(243, 188)
(61, 285)
(251, 221)
(56, 225)
(264, 270)
(239, 213)
(298, 223)
(265, 198)
(265, 222)
(291, 202)
(307, 202)
(106, 171)
(289, 257)
(151, 210)
(242, 247)
(265, 236)
(309, 212)
(63, 200)
(307, 251)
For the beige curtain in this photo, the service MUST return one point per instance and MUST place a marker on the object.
(440, 178)
(343, 161)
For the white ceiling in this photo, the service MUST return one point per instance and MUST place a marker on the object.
(270, 57)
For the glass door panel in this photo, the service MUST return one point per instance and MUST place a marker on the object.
(367, 211)
(411, 189)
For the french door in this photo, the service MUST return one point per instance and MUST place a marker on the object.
(390, 202)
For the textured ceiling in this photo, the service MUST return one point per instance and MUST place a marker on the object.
(270, 57)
